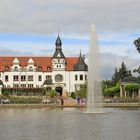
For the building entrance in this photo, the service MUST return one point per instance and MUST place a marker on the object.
(59, 90)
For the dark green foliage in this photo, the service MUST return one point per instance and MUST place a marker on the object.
(137, 70)
(73, 95)
(5, 93)
(137, 44)
(116, 76)
(25, 100)
(120, 74)
(123, 72)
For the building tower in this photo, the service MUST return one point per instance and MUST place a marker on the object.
(58, 59)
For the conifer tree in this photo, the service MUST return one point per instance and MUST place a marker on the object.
(137, 44)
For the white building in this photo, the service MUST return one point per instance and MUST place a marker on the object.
(32, 74)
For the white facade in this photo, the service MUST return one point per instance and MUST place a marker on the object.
(18, 76)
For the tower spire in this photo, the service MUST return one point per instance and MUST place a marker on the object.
(58, 42)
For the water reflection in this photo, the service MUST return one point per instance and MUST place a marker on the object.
(69, 124)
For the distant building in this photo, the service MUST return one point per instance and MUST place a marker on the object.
(29, 75)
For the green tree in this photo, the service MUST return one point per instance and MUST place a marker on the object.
(137, 44)
(82, 92)
(116, 76)
(120, 73)
(123, 72)
(137, 70)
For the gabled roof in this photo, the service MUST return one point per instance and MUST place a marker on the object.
(44, 62)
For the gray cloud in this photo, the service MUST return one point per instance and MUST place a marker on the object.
(109, 61)
(8, 52)
(44, 17)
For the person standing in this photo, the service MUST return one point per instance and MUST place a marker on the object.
(62, 100)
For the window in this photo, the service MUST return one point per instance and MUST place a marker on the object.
(6, 68)
(81, 77)
(15, 85)
(23, 85)
(39, 68)
(76, 77)
(30, 77)
(48, 77)
(58, 61)
(15, 68)
(30, 85)
(15, 78)
(39, 78)
(6, 78)
(30, 68)
(85, 77)
(23, 78)
(48, 68)
(58, 78)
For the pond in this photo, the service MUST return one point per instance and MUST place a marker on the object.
(69, 124)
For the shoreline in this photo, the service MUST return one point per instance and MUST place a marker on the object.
(136, 105)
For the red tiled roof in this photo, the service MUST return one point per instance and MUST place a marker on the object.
(70, 61)
(44, 62)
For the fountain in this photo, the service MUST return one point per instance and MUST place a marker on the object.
(94, 99)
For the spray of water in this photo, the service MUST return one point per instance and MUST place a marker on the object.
(94, 99)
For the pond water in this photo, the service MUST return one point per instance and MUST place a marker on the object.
(69, 124)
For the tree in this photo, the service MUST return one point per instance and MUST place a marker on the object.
(123, 72)
(115, 77)
(120, 74)
(137, 70)
(82, 92)
(137, 44)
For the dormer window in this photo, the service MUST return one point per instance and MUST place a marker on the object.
(6, 68)
(30, 68)
(39, 68)
(48, 68)
(15, 68)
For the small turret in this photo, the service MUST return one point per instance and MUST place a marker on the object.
(80, 64)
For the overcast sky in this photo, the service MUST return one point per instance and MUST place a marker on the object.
(29, 27)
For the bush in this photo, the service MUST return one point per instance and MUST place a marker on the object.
(53, 93)
(132, 87)
(113, 91)
(73, 95)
